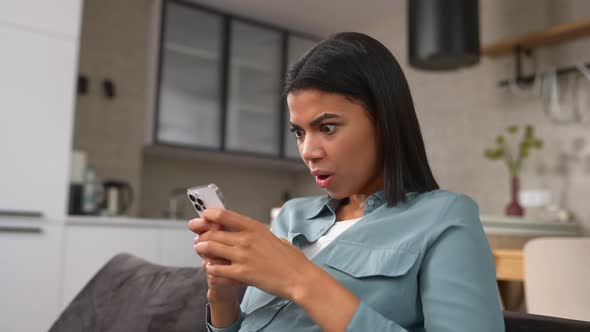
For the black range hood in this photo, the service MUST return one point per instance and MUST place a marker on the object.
(443, 34)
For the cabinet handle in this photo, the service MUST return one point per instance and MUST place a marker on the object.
(29, 214)
(17, 229)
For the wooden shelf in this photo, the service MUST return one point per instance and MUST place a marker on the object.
(553, 35)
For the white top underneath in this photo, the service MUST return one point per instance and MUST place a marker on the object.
(310, 249)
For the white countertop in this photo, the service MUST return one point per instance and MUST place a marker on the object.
(493, 225)
(516, 226)
(125, 222)
(22, 224)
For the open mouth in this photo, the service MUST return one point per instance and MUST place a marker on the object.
(324, 180)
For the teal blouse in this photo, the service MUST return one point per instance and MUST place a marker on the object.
(422, 265)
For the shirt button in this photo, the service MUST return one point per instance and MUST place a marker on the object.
(322, 229)
(371, 202)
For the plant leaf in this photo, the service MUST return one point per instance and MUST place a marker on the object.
(512, 129)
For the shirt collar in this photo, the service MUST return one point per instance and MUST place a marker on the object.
(326, 203)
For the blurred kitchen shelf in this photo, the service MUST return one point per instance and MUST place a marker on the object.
(212, 56)
(503, 225)
(554, 35)
(230, 157)
(192, 51)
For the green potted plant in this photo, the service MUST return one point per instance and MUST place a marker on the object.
(514, 158)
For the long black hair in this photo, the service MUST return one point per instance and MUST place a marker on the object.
(361, 68)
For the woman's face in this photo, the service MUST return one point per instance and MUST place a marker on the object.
(338, 142)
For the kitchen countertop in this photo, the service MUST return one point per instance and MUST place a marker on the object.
(517, 226)
(26, 222)
(125, 222)
(493, 225)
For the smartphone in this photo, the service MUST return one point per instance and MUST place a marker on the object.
(203, 197)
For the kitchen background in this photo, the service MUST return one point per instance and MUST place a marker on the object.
(119, 41)
(52, 129)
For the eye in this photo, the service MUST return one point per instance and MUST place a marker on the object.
(328, 128)
(298, 132)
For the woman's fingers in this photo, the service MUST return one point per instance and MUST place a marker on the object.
(220, 271)
(214, 281)
(212, 249)
(199, 225)
(228, 219)
(225, 237)
(218, 261)
(226, 272)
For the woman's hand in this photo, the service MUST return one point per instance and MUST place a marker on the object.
(257, 257)
(221, 290)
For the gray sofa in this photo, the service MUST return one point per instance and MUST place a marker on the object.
(132, 295)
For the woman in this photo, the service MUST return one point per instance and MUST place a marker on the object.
(385, 249)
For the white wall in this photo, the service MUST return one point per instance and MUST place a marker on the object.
(38, 66)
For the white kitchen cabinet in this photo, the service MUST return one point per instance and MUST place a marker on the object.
(60, 18)
(30, 266)
(89, 247)
(36, 114)
(177, 248)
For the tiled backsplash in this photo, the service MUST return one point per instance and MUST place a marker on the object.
(114, 44)
(248, 190)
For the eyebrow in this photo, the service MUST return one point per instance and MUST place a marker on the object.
(318, 120)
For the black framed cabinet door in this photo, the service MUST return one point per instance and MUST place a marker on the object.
(189, 96)
(255, 69)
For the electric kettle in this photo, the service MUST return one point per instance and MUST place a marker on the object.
(117, 196)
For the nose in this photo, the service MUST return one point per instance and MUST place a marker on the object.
(311, 149)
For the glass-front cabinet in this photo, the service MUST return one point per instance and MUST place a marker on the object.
(220, 82)
(189, 103)
(253, 107)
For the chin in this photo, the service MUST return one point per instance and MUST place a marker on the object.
(335, 194)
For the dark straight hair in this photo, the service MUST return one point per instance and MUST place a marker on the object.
(362, 69)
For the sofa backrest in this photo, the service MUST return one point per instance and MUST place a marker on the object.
(132, 295)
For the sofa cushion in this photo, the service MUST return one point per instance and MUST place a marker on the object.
(130, 294)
